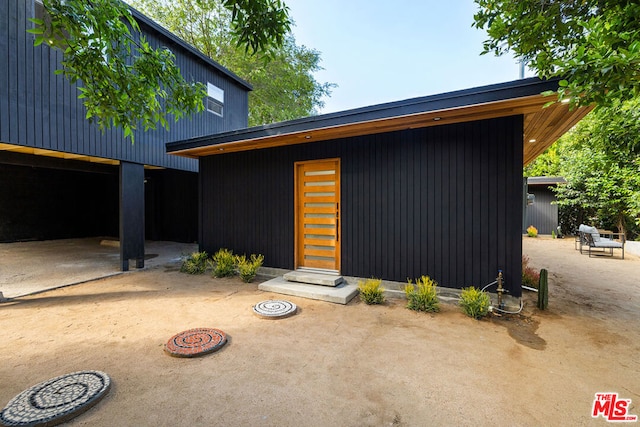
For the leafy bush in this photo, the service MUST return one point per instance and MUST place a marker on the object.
(371, 292)
(196, 263)
(474, 302)
(532, 231)
(530, 277)
(247, 268)
(423, 296)
(224, 263)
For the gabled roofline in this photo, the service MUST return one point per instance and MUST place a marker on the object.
(145, 20)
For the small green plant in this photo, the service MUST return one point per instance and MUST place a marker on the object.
(530, 277)
(543, 290)
(532, 231)
(371, 291)
(247, 268)
(224, 263)
(474, 302)
(196, 263)
(553, 234)
(422, 296)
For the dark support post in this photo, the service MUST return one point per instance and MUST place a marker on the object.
(525, 194)
(131, 214)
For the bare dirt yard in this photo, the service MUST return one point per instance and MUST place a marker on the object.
(334, 365)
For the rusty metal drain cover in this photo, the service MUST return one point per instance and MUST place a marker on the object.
(275, 309)
(56, 400)
(196, 342)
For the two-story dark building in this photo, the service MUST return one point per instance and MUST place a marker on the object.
(61, 177)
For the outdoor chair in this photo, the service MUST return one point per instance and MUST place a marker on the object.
(589, 237)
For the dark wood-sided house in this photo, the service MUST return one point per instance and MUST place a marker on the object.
(430, 185)
(61, 177)
(542, 211)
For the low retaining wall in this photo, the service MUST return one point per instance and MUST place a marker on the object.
(632, 248)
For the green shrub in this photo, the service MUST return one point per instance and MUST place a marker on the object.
(474, 302)
(224, 263)
(196, 263)
(530, 277)
(532, 231)
(371, 292)
(422, 296)
(247, 268)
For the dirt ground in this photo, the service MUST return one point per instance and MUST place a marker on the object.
(353, 365)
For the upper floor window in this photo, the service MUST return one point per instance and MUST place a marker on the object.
(215, 99)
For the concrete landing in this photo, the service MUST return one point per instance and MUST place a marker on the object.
(313, 278)
(340, 294)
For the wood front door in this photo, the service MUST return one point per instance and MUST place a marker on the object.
(317, 214)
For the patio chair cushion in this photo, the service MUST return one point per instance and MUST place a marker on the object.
(607, 243)
(591, 230)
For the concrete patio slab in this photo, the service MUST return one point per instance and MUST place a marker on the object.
(32, 267)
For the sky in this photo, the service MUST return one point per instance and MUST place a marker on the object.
(383, 51)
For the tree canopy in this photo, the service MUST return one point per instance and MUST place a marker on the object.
(283, 81)
(125, 82)
(594, 45)
(600, 159)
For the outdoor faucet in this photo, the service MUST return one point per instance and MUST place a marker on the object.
(500, 290)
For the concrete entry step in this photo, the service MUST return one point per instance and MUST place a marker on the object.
(313, 278)
(340, 294)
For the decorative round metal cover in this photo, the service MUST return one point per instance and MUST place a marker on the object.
(196, 342)
(57, 400)
(275, 309)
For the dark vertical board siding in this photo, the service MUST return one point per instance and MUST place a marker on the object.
(41, 109)
(171, 211)
(12, 110)
(438, 206)
(30, 82)
(5, 60)
(377, 236)
(472, 218)
(442, 201)
(405, 203)
(543, 213)
(423, 216)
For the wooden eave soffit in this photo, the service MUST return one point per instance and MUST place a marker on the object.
(542, 126)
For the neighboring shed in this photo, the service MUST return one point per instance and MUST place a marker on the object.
(61, 177)
(543, 212)
(430, 185)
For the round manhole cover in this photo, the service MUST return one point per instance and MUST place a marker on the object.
(275, 309)
(196, 342)
(57, 400)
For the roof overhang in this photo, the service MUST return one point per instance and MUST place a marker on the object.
(542, 125)
(545, 180)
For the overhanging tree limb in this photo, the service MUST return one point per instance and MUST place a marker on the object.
(124, 81)
(593, 44)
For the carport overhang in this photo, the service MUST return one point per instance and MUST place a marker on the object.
(544, 121)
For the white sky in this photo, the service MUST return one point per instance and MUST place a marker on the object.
(382, 51)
